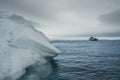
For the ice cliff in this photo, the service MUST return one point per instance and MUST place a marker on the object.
(21, 46)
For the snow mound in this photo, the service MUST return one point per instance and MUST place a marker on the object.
(21, 46)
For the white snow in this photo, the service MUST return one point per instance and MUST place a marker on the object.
(21, 46)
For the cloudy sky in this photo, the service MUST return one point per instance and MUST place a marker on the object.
(70, 17)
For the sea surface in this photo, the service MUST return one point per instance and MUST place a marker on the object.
(86, 60)
(80, 60)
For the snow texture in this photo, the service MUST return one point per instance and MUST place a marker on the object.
(21, 46)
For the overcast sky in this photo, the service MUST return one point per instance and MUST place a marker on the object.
(70, 17)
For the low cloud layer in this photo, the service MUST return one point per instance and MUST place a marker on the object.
(69, 17)
(112, 18)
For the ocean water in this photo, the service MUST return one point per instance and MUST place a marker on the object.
(86, 60)
(80, 60)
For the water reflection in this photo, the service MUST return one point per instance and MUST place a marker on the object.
(37, 72)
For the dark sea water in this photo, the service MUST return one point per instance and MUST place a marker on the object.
(80, 60)
(87, 60)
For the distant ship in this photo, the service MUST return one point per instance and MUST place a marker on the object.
(93, 39)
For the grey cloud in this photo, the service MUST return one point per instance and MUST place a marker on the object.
(112, 18)
(49, 8)
(40, 8)
(59, 15)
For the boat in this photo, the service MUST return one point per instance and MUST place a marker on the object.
(93, 39)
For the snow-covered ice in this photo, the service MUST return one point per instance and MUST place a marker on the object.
(21, 46)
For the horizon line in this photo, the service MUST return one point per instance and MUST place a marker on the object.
(82, 38)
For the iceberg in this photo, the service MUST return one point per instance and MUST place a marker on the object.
(21, 46)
